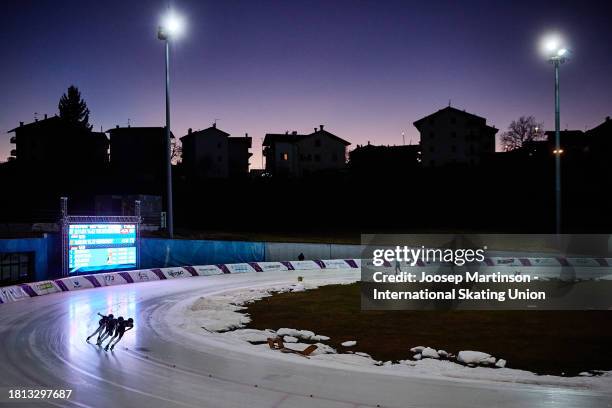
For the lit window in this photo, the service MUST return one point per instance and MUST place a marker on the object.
(285, 156)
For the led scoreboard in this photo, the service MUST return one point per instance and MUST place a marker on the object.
(101, 247)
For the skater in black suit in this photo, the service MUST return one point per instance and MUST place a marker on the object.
(101, 327)
(111, 324)
(122, 327)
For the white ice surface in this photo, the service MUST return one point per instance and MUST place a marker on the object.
(162, 363)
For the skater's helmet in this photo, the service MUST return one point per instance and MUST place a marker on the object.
(131, 320)
(110, 316)
(120, 318)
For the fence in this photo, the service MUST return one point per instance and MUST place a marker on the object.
(161, 253)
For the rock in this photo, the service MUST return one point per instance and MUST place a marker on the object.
(417, 349)
(349, 343)
(417, 356)
(443, 354)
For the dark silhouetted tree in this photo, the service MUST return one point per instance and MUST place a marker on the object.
(521, 131)
(73, 108)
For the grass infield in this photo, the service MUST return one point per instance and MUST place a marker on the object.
(544, 342)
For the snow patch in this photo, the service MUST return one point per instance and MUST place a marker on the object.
(251, 335)
(301, 334)
(349, 343)
(183, 321)
(475, 357)
(428, 352)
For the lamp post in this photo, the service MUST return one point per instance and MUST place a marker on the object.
(557, 55)
(170, 28)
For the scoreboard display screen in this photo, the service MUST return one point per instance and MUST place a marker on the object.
(101, 247)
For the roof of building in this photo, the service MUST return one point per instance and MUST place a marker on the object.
(56, 121)
(42, 122)
(294, 137)
(606, 125)
(206, 132)
(452, 109)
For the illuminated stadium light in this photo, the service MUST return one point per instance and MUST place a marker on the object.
(554, 48)
(172, 26)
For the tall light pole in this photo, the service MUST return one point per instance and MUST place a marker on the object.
(170, 28)
(557, 54)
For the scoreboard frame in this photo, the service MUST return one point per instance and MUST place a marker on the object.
(68, 220)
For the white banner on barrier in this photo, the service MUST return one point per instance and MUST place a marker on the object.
(77, 283)
(271, 266)
(175, 272)
(498, 261)
(45, 287)
(543, 261)
(303, 265)
(583, 262)
(111, 279)
(334, 263)
(240, 268)
(13, 293)
(205, 270)
(143, 275)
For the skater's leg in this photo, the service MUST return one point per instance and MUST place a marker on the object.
(117, 341)
(104, 337)
(110, 341)
(98, 331)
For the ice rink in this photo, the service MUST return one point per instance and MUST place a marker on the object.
(43, 346)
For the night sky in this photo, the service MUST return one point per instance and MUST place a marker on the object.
(365, 69)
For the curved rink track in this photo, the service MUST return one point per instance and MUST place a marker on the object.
(43, 346)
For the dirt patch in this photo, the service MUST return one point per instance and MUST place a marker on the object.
(545, 342)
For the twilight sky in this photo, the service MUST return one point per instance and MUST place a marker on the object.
(365, 69)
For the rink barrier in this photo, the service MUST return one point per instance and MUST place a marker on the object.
(28, 290)
(73, 283)
(520, 261)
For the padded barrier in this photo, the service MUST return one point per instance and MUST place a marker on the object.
(72, 283)
(27, 290)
